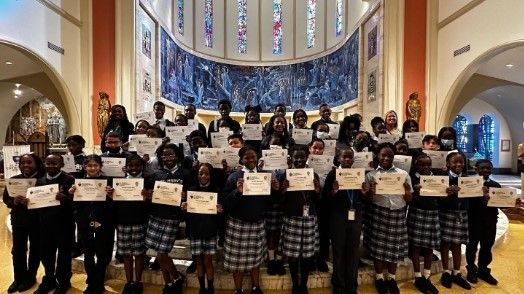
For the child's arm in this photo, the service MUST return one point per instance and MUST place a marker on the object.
(8, 200)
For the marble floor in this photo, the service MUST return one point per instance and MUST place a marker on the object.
(508, 267)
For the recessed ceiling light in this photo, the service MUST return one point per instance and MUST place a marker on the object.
(17, 92)
(509, 65)
(16, 96)
(8, 62)
(18, 85)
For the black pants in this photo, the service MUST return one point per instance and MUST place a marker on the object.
(323, 230)
(345, 238)
(96, 243)
(482, 229)
(55, 247)
(25, 267)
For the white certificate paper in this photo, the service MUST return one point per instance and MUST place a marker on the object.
(257, 184)
(192, 124)
(502, 197)
(167, 193)
(438, 158)
(403, 162)
(470, 187)
(388, 138)
(128, 189)
(333, 130)
(178, 134)
(202, 202)
(230, 154)
(321, 164)
(414, 139)
(42, 196)
(219, 139)
(212, 156)
(147, 116)
(18, 187)
(112, 166)
(302, 136)
(90, 190)
(252, 132)
(300, 179)
(434, 186)
(275, 159)
(330, 147)
(350, 178)
(390, 183)
(69, 163)
(144, 146)
(363, 160)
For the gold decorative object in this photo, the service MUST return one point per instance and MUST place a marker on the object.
(413, 107)
(104, 109)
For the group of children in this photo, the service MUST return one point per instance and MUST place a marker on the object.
(286, 224)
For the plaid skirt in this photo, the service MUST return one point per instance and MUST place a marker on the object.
(207, 246)
(385, 233)
(131, 239)
(161, 234)
(245, 245)
(423, 228)
(454, 226)
(273, 219)
(299, 236)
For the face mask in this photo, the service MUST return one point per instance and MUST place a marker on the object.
(223, 129)
(322, 135)
(359, 144)
(447, 143)
(113, 150)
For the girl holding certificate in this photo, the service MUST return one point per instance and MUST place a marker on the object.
(300, 239)
(385, 232)
(277, 126)
(24, 225)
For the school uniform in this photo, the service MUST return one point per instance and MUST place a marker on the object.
(321, 120)
(234, 126)
(204, 227)
(345, 215)
(162, 123)
(79, 165)
(25, 228)
(482, 228)
(385, 231)
(423, 220)
(453, 216)
(245, 237)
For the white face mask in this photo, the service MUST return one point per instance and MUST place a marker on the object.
(223, 129)
(322, 135)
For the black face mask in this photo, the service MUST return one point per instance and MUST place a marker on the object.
(113, 150)
(360, 144)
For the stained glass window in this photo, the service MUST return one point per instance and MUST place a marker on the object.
(277, 26)
(242, 26)
(486, 138)
(311, 23)
(180, 20)
(208, 22)
(461, 126)
(339, 24)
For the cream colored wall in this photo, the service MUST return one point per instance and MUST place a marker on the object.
(448, 7)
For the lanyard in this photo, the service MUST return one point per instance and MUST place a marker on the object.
(350, 195)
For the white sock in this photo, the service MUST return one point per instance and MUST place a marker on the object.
(271, 254)
(379, 276)
(448, 271)
(418, 275)
(427, 273)
(456, 272)
(391, 276)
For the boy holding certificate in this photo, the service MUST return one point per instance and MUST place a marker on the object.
(24, 223)
(75, 146)
(385, 232)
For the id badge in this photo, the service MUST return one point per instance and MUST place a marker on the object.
(305, 210)
(351, 214)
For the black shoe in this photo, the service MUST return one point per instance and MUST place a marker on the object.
(421, 285)
(138, 288)
(62, 289)
(210, 290)
(322, 266)
(279, 268)
(191, 269)
(392, 286)
(168, 289)
(303, 289)
(256, 290)
(119, 258)
(431, 288)
(472, 277)
(128, 288)
(202, 291)
(295, 290)
(155, 265)
(434, 257)
(487, 277)
(381, 286)
(13, 287)
(445, 280)
(178, 284)
(271, 267)
(459, 280)
(45, 287)
(26, 284)
(239, 291)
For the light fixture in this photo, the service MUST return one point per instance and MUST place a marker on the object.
(17, 92)
(18, 85)
(8, 62)
(16, 96)
(509, 65)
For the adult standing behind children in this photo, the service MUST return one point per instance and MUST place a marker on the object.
(118, 123)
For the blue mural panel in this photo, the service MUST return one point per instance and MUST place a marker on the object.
(332, 79)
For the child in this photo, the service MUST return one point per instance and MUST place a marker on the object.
(448, 139)
(113, 146)
(75, 146)
(204, 230)
(321, 131)
(378, 126)
(245, 240)
(385, 233)
(345, 222)
(482, 228)
(235, 141)
(224, 108)
(300, 119)
(131, 227)
(362, 142)
(24, 225)
(159, 108)
(423, 226)
(401, 147)
(56, 224)
(141, 127)
(277, 125)
(95, 228)
(325, 116)
(300, 239)
(430, 142)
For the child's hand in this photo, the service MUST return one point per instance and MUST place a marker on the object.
(184, 196)
(124, 169)
(110, 191)
(146, 158)
(416, 188)
(261, 164)
(317, 186)
(125, 146)
(240, 185)
(372, 189)
(61, 196)
(183, 206)
(366, 190)
(147, 194)
(452, 190)
(20, 200)
(165, 140)
(275, 185)
(220, 208)
(284, 186)
(335, 188)
(72, 189)
(485, 191)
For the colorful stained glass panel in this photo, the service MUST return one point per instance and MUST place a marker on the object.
(277, 26)
(180, 19)
(242, 26)
(339, 26)
(311, 25)
(486, 136)
(208, 23)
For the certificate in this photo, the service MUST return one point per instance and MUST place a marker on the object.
(302, 136)
(470, 187)
(300, 179)
(42, 196)
(192, 124)
(167, 193)
(219, 139)
(362, 160)
(69, 163)
(350, 178)
(414, 139)
(128, 189)
(403, 162)
(502, 197)
(321, 164)
(145, 145)
(252, 132)
(90, 190)
(257, 184)
(390, 183)
(230, 154)
(434, 186)
(275, 159)
(438, 158)
(112, 166)
(333, 130)
(330, 147)
(132, 138)
(212, 156)
(202, 202)
(18, 187)
(178, 134)
(388, 138)
(147, 116)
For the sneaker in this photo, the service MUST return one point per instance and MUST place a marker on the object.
(430, 287)
(472, 277)
(487, 277)
(45, 287)
(279, 268)
(381, 286)
(322, 266)
(13, 287)
(139, 288)
(459, 280)
(26, 284)
(445, 280)
(128, 288)
(256, 290)
(271, 267)
(191, 269)
(392, 286)
(421, 285)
